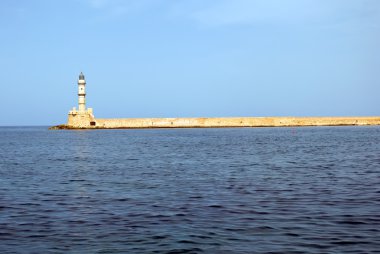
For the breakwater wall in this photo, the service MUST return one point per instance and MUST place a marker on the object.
(221, 122)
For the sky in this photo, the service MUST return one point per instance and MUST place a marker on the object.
(189, 58)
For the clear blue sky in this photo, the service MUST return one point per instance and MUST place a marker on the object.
(189, 58)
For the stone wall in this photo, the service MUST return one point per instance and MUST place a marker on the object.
(85, 122)
(81, 119)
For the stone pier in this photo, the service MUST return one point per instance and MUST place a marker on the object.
(88, 121)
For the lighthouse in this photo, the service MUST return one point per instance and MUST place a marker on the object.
(81, 93)
(83, 117)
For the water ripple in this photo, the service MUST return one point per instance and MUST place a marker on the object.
(265, 190)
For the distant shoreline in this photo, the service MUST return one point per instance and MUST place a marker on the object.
(219, 122)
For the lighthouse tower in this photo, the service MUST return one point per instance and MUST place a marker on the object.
(83, 117)
(81, 93)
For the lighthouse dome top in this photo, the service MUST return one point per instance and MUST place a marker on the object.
(81, 76)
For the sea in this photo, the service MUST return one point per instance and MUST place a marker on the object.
(227, 190)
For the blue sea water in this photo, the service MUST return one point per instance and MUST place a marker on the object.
(243, 190)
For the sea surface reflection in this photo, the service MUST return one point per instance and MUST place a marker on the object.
(245, 190)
